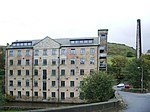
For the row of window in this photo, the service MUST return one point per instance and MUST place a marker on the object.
(53, 94)
(44, 72)
(53, 61)
(82, 41)
(19, 53)
(53, 83)
(53, 52)
(63, 61)
(19, 62)
(22, 44)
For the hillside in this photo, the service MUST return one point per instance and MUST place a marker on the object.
(120, 49)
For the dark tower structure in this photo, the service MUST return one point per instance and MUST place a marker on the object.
(138, 40)
(102, 61)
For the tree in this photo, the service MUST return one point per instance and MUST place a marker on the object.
(2, 58)
(2, 98)
(118, 64)
(130, 54)
(134, 72)
(98, 87)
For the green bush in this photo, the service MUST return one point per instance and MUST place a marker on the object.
(2, 98)
(10, 98)
(98, 87)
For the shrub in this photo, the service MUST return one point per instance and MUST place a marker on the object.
(98, 87)
(10, 98)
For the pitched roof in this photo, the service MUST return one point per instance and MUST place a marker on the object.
(62, 41)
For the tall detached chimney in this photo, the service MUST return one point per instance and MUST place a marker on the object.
(138, 40)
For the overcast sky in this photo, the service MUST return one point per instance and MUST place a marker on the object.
(36, 19)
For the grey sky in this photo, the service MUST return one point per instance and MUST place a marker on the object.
(36, 19)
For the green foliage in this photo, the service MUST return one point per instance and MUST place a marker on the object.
(120, 49)
(130, 54)
(134, 72)
(148, 51)
(10, 98)
(2, 57)
(118, 63)
(2, 98)
(97, 87)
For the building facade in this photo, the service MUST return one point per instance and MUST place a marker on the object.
(53, 69)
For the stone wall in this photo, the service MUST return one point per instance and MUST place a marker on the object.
(94, 107)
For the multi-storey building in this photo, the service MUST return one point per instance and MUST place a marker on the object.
(53, 69)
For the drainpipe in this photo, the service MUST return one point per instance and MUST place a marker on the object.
(98, 58)
(32, 70)
(58, 72)
(6, 72)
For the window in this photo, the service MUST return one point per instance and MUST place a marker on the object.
(44, 61)
(71, 83)
(27, 83)
(35, 83)
(36, 72)
(19, 72)
(72, 61)
(63, 51)
(36, 52)
(29, 44)
(63, 72)
(72, 51)
(72, 41)
(27, 52)
(36, 62)
(81, 41)
(62, 95)
(19, 83)
(92, 50)
(77, 41)
(11, 62)
(82, 50)
(19, 62)
(53, 94)
(44, 85)
(35, 93)
(91, 60)
(72, 72)
(81, 96)
(11, 53)
(11, 93)
(90, 41)
(27, 72)
(53, 83)
(10, 83)
(82, 61)
(19, 94)
(85, 41)
(53, 62)
(44, 74)
(27, 62)
(27, 93)
(45, 52)
(62, 83)
(19, 53)
(71, 94)
(103, 36)
(53, 51)
(53, 72)
(63, 61)
(81, 71)
(10, 72)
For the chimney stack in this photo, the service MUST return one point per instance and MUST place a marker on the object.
(138, 40)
